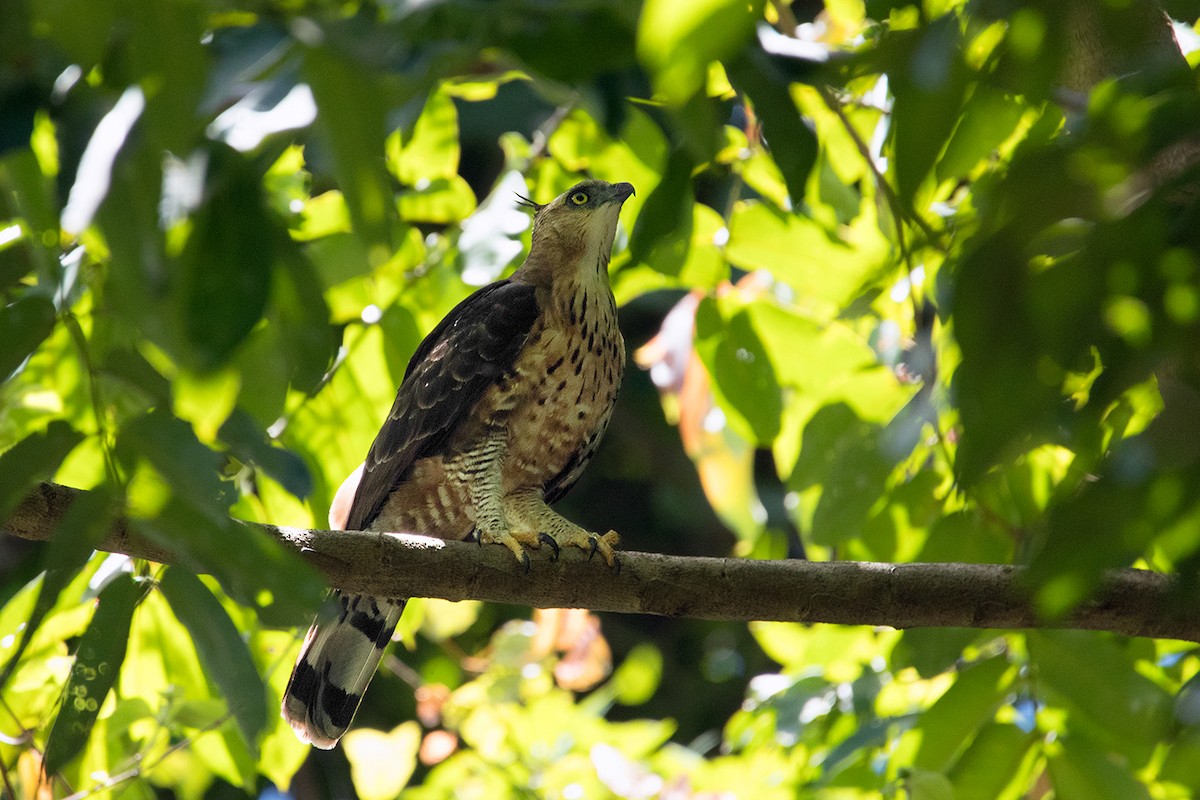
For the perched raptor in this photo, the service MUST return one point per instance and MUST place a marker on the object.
(501, 408)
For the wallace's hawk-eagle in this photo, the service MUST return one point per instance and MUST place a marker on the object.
(501, 408)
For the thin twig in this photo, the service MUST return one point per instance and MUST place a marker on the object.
(934, 237)
(8, 787)
(143, 769)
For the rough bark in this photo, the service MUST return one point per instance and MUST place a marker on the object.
(1133, 602)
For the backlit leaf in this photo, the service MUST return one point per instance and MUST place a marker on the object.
(221, 649)
(265, 576)
(87, 520)
(677, 40)
(98, 662)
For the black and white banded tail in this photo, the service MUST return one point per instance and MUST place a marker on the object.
(337, 661)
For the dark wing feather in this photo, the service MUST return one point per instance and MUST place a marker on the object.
(466, 353)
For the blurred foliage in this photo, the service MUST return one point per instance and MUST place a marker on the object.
(914, 281)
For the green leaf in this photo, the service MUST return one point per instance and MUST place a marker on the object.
(991, 762)
(1108, 699)
(382, 763)
(33, 459)
(924, 785)
(73, 26)
(16, 261)
(345, 91)
(221, 649)
(929, 87)
(98, 662)
(250, 444)
(931, 651)
(83, 525)
(266, 576)
(161, 49)
(23, 326)
(440, 201)
(1000, 345)
(307, 339)
(742, 374)
(639, 675)
(591, 40)
(663, 229)
(1131, 503)
(950, 724)
(845, 455)
(830, 273)
(791, 141)
(989, 117)
(432, 150)
(225, 267)
(1081, 772)
(1182, 764)
(677, 40)
(132, 368)
(191, 468)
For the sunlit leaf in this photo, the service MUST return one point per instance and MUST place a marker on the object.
(929, 88)
(222, 651)
(742, 375)
(847, 457)
(381, 763)
(988, 118)
(191, 469)
(1082, 772)
(988, 765)
(792, 143)
(98, 662)
(664, 226)
(950, 724)
(81, 528)
(442, 200)
(343, 91)
(431, 152)
(926, 785)
(678, 40)
(1091, 676)
(825, 273)
(273, 580)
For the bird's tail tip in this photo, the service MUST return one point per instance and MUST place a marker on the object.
(305, 729)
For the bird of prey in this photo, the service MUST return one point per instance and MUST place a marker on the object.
(501, 408)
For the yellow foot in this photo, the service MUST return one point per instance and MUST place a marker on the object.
(520, 543)
(591, 542)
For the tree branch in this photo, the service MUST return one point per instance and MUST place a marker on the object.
(1130, 601)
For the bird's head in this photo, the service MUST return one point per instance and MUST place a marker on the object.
(579, 225)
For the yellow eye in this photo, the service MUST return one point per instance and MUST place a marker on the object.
(579, 198)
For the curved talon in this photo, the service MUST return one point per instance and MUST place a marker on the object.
(616, 565)
(525, 558)
(474, 536)
(594, 543)
(547, 539)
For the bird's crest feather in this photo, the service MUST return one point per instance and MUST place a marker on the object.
(522, 200)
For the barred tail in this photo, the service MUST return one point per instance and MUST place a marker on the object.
(336, 663)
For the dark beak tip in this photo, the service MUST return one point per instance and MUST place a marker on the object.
(625, 190)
